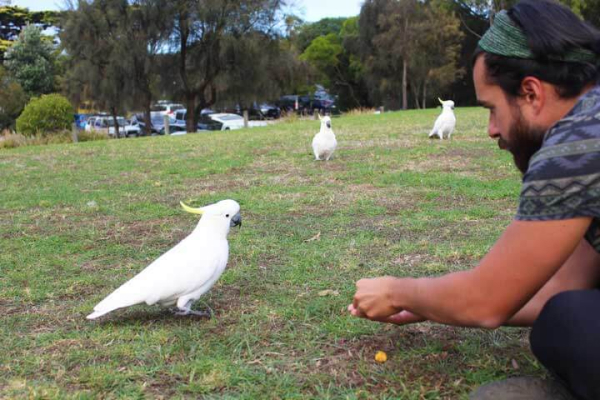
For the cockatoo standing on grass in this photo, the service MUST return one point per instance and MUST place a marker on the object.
(445, 123)
(187, 271)
(324, 142)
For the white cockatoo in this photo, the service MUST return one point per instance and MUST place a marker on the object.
(185, 272)
(324, 142)
(445, 123)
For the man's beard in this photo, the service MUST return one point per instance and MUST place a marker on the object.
(524, 142)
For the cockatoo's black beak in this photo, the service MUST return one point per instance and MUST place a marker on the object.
(236, 220)
(328, 123)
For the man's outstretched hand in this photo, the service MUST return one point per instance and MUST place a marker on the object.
(374, 300)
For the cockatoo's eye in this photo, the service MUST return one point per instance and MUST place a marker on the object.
(227, 216)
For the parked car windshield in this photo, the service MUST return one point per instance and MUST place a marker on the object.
(229, 117)
(120, 120)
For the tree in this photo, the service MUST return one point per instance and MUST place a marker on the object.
(13, 19)
(308, 32)
(253, 64)
(407, 47)
(434, 63)
(198, 41)
(336, 57)
(146, 32)
(31, 61)
(92, 37)
(12, 100)
(392, 43)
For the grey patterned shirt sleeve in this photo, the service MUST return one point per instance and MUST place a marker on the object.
(563, 179)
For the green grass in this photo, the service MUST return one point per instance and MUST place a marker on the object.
(78, 220)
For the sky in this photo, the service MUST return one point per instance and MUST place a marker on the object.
(309, 10)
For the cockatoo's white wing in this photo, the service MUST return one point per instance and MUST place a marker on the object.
(324, 145)
(444, 123)
(447, 123)
(182, 270)
(437, 125)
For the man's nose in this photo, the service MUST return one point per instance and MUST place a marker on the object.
(493, 130)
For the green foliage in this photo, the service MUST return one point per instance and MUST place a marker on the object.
(12, 100)
(323, 54)
(31, 61)
(305, 34)
(409, 46)
(14, 19)
(335, 58)
(46, 115)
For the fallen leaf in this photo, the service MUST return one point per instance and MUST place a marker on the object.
(316, 237)
(514, 364)
(329, 292)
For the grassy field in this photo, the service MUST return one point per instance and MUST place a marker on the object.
(78, 220)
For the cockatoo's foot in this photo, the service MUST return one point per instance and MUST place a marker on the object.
(188, 311)
(204, 314)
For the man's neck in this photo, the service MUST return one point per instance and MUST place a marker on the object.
(562, 106)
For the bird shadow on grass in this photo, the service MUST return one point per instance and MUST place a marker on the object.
(150, 317)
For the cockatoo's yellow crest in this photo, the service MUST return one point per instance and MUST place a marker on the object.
(191, 210)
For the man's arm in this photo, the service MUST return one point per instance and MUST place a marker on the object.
(525, 257)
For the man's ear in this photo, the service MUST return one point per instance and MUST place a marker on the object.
(533, 93)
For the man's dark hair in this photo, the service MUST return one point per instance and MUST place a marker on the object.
(552, 30)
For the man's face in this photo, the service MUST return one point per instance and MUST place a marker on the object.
(507, 123)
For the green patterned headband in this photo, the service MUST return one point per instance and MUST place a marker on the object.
(506, 39)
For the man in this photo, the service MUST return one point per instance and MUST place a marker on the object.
(536, 70)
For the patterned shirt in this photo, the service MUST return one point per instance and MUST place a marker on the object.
(563, 178)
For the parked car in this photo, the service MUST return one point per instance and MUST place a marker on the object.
(175, 129)
(106, 124)
(227, 121)
(321, 102)
(257, 112)
(163, 108)
(204, 123)
(157, 123)
(270, 111)
(126, 129)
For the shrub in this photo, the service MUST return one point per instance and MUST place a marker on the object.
(12, 100)
(84, 136)
(46, 115)
(12, 140)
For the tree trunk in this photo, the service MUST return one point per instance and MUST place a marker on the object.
(190, 115)
(424, 102)
(147, 122)
(147, 116)
(404, 84)
(115, 122)
(245, 112)
(416, 94)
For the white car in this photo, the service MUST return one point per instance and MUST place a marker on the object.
(106, 124)
(126, 129)
(163, 108)
(232, 121)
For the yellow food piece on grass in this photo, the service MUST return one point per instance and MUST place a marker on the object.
(381, 357)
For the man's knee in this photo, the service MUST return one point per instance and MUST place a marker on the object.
(560, 322)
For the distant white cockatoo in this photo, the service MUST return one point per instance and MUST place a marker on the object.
(185, 272)
(324, 142)
(445, 123)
